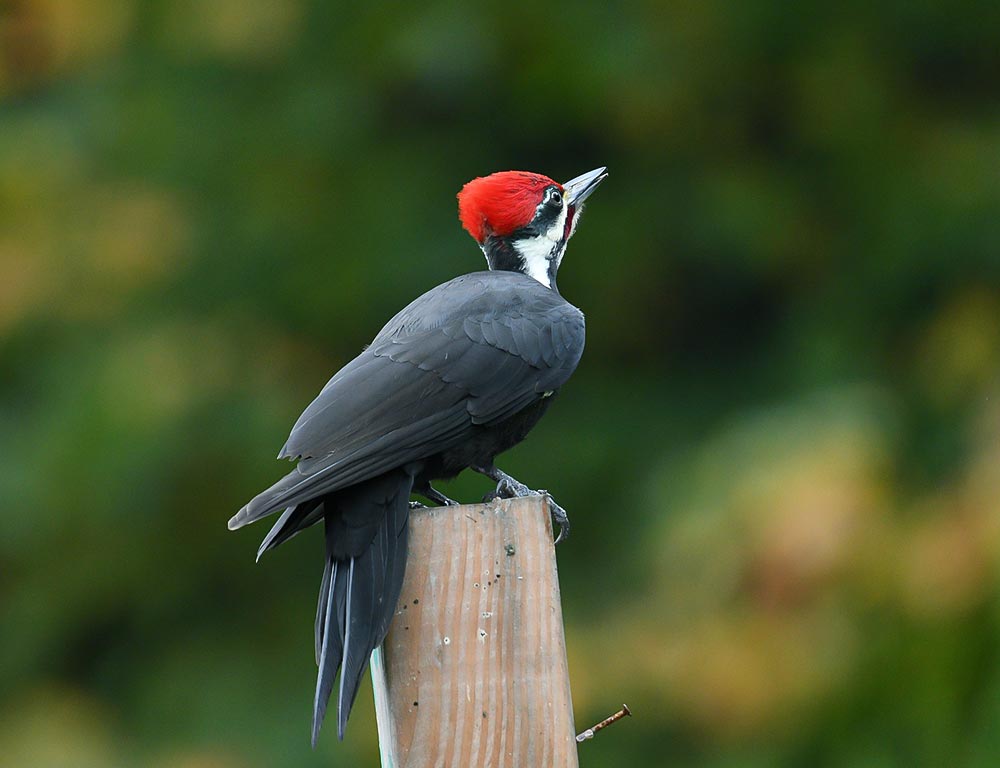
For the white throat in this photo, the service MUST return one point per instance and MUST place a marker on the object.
(539, 252)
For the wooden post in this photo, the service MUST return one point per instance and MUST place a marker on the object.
(473, 672)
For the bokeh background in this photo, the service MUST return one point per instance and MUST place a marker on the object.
(781, 451)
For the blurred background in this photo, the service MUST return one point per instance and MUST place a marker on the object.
(781, 451)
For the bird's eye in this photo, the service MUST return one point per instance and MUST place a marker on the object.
(554, 198)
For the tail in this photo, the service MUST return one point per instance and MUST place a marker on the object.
(366, 537)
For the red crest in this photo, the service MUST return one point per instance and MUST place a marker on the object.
(501, 203)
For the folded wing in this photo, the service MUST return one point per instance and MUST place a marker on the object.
(473, 351)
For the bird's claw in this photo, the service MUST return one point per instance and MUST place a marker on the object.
(559, 517)
(417, 505)
(431, 493)
(509, 488)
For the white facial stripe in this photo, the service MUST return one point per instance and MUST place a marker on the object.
(536, 252)
(555, 232)
(539, 251)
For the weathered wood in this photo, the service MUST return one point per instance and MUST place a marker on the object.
(473, 672)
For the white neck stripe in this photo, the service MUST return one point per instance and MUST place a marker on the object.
(539, 252)
(536, 253)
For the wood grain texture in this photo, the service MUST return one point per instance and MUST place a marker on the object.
(473, 672)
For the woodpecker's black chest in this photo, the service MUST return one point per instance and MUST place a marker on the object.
(487, 442)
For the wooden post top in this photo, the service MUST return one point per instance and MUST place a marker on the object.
(473, 672)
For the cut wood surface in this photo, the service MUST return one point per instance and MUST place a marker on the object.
(473, 672)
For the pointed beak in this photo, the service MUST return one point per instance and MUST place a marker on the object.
(577, 190)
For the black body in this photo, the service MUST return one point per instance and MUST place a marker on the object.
(459, 376)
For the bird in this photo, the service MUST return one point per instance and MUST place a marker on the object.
(457, 377)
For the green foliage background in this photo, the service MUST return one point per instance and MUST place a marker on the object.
(781, 451)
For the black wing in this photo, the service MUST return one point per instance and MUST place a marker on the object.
(474, 350)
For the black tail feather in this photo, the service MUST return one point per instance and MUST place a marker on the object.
(365, 592)
(322, 606)
(292, 521)
(360, 589)
(330, 649)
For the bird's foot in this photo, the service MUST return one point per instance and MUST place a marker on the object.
(430, 492)
(509, 488)
(559, 517)
(417, 505)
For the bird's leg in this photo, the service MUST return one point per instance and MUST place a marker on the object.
(508, 488)
(430, 492)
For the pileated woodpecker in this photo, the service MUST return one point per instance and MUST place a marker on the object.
(457, 377)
